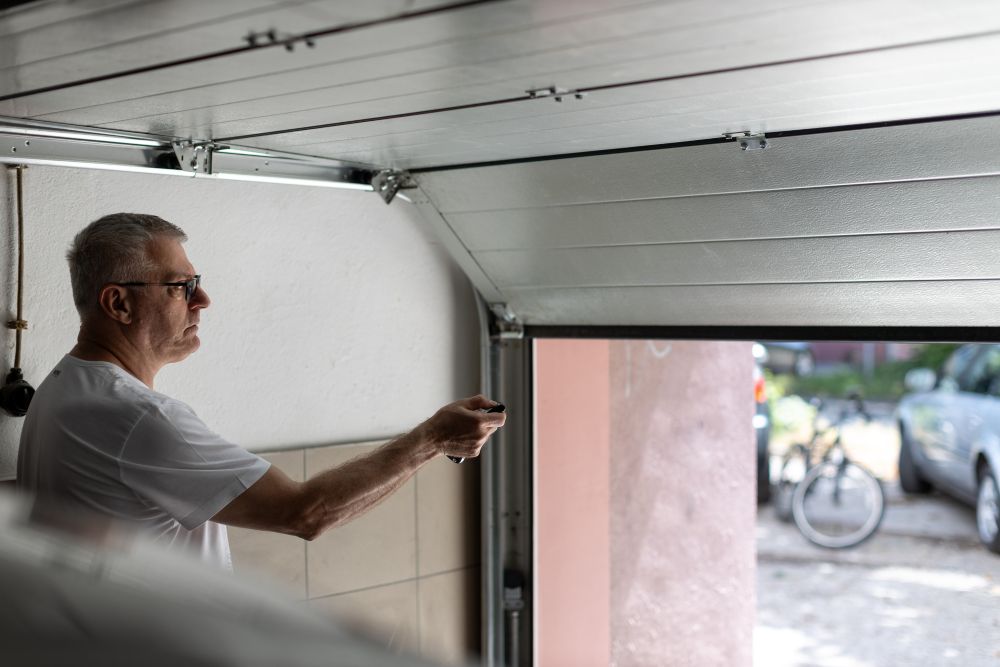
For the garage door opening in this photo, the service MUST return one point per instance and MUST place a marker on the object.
(658, 542)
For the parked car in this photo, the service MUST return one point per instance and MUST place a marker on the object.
(789, 357)
(762, 429)
(950, 434)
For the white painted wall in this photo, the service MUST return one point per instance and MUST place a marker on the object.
(334, 317)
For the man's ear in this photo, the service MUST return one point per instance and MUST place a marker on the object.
(116, 303)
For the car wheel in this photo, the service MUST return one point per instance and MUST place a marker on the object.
(988, 511)
(763, 480)
(910, 478)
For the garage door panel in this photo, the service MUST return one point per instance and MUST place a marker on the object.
(436, 147)
(859, 89)
(496, 34)
(504, 64)
(961, 147)
(501, 57)
(65, 28)
(934, 304)
(138, 34)
(498, 50)
(894, 208)
(936, 256)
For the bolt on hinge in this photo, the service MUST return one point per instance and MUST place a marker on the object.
(196, 156)
(748, 141)
(555, 92)
(388, 182)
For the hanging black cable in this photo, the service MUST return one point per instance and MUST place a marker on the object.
(16, 394)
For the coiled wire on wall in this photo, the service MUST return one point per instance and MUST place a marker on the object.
(16, 394)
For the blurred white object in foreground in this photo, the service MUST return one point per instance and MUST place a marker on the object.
(89, 594)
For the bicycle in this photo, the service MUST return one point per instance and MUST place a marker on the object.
(834, 502)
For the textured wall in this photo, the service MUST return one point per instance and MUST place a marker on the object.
(334, 317)
(682, 504)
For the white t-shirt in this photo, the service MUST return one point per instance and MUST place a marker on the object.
(97, 439)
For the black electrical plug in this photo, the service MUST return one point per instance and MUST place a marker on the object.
(16, 394)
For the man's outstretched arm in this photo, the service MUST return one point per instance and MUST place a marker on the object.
(277, 503)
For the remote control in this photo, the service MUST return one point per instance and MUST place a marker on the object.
(499, 407)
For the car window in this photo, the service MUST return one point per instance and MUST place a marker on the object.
(983, 376)
(958, 362)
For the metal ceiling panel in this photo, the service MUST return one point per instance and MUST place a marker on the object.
(885, 208)
(894, 304)
(438, 63)
(933, 80)
(97, 37)
(958, 148)
(903, 218)
(386, 93)
(877, 258)
(370, 53)
(45, 13)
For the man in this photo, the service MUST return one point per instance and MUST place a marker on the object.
(99, 439)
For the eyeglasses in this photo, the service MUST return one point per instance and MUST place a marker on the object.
(190, 285)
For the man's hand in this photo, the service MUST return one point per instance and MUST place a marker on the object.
(461, 428)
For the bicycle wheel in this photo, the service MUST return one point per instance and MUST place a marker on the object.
(793, 471)
(838, 505)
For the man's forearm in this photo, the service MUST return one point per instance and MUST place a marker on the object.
(338, 495)
(277, 503)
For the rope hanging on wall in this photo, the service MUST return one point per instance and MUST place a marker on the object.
(16, 394)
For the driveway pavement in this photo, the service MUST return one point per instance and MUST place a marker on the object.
(921, 592)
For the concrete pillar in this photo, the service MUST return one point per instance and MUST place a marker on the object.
(658, 505)
(682, 504)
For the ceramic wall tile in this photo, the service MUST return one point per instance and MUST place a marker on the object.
(447, 516)
(449, 616)
(377, 548)
(280, 558)
(386, 613)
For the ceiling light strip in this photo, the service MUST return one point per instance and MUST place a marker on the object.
(78, 147)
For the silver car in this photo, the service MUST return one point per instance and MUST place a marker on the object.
(950, 434)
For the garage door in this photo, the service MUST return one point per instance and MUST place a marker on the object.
(590, 164)
(868, 227)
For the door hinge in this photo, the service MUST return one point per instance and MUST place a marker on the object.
(388, 182)
(748, 141)
(196, 156)
(506, 326)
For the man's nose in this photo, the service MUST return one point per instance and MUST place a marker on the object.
(200, 298)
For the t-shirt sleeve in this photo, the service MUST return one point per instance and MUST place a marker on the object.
(174, 461)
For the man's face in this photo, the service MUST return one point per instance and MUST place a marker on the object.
(166, 326)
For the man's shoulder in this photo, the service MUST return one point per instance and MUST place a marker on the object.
(104, 387)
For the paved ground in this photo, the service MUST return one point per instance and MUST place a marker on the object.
(921, 592)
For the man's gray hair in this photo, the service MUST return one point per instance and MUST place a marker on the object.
(114, 249)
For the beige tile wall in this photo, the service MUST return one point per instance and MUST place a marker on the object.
(406, 572)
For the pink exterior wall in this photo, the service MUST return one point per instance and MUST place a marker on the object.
(645, 486)
(571, 505)
(683, 504)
